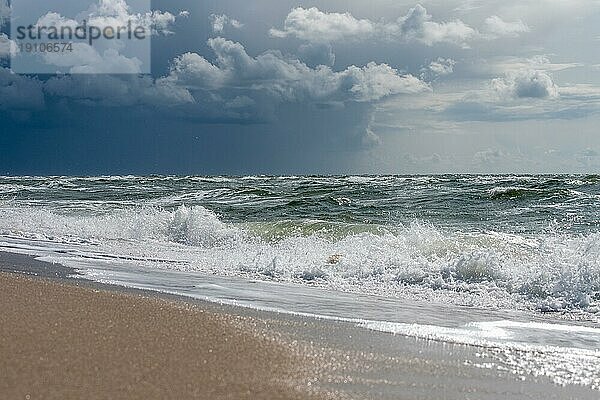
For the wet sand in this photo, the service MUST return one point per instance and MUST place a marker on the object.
(60, 341)
(64, 338)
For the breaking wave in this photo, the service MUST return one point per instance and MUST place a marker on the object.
(548, 271)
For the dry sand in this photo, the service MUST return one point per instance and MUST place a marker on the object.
(60, 341)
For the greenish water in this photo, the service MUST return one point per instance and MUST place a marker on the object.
(516, 242)
(510, 264)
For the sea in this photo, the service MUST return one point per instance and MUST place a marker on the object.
(510, 264)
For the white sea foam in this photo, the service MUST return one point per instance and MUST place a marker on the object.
(548, 272)
(326, 246)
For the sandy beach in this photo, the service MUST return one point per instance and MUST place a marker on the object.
(64, 338)
(62, 341)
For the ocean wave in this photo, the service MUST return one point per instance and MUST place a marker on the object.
(547, 271)
(193, 226)
(461, 202)
(516, 192)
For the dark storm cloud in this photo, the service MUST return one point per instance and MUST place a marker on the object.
(235, 87)
(300, 86)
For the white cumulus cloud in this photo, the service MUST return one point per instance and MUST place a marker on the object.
(526, 84)
(287, 78)
(116, 13)
(440, 67)
(220, 22)
(314, 25)
(497, 27)
(418, 25)
(108, 57)
(8, 47)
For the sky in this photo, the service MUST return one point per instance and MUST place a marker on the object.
(320, 87)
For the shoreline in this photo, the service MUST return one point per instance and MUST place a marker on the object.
(61, 340)
(287, 356)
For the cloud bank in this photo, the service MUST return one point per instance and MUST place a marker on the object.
(112, 13)
(234, 88)
(314, 25)
(458, 88)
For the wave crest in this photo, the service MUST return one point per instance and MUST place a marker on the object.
(197, 226)
(548, 271)
(192, 226)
